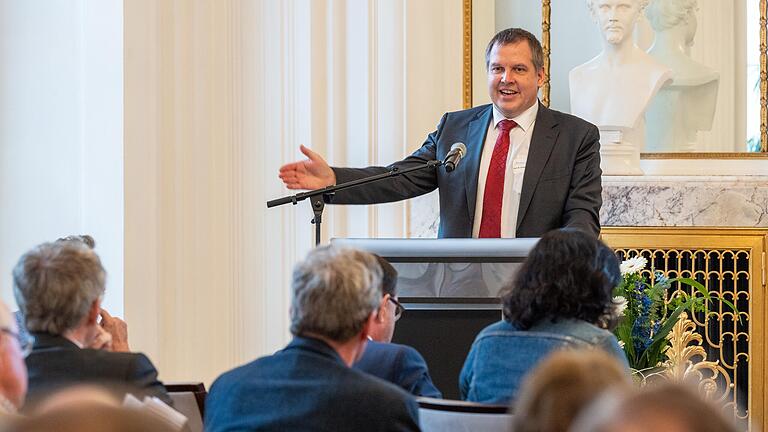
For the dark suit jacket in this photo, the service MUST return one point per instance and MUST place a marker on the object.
(561, 185)
(306, 387)
(400, 365)
(55, 362)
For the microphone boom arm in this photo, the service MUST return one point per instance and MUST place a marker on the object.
(320, 197)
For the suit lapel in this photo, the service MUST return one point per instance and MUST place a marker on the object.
(542, 143)
(475, 140)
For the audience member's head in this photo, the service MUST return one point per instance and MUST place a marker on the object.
(83, 238)
(95, 417)
(13, 371)
(666, 407)
(81, 395)
(563, 385)
(568, 274)
(58, 287)
(336, 293)
(390, 309)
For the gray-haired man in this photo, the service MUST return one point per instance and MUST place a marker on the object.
(309, 385)
(58, 287)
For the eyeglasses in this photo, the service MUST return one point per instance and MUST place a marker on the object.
(25, 341)
(399, 308)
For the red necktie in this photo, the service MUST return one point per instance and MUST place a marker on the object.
(490, 225)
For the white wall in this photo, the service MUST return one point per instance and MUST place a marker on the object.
(61, 130)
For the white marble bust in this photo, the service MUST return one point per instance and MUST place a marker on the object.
(687, 105)
(614, 89)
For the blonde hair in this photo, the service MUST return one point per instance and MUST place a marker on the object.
(563, 385)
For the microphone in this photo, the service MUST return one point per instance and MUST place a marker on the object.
(458, 150)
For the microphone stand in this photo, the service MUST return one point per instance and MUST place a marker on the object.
(320, 197)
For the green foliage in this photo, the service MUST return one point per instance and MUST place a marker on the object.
(648, 316)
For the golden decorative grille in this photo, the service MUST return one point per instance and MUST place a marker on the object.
(730, 263)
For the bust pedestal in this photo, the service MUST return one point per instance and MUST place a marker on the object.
(616, 156)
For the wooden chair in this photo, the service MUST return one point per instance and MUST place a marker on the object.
(444, 415)
(189, 399)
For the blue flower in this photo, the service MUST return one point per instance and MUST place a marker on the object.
(639, 286)
(661, 279)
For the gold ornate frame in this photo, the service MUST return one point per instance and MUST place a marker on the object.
(546, 9)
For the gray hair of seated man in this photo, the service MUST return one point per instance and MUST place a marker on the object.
(665, 14)
(83, 238)
(334, 291)
(55, 284)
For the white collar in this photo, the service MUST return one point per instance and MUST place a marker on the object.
(524, 120)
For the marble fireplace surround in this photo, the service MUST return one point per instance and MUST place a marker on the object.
(661, 201)
(655, 201)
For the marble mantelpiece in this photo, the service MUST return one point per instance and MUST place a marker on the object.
(724, 201)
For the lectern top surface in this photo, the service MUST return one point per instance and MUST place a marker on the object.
(448, 248)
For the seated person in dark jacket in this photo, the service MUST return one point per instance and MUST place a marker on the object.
(58, 287)
(398, 364)
(309, 385)
(560, 299)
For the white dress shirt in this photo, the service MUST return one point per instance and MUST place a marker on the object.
(519, 142)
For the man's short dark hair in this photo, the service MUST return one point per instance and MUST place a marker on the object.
(515, 35)
(388, 278)
(568, 274)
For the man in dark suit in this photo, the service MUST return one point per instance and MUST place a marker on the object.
(58, 287)
(398, 364)
(309, 385)
(528, 169)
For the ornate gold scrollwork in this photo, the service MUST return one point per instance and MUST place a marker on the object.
(688, 362)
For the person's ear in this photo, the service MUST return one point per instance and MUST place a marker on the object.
(540, 77)
(382, 310)
(369, 325)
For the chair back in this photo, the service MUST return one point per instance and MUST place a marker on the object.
(443, 415)
(189, 399)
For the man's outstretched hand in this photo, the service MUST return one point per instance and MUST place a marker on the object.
(313, 173)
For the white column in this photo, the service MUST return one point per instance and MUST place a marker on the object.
(210, 114)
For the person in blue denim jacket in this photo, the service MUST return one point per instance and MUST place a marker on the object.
(560, 299)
